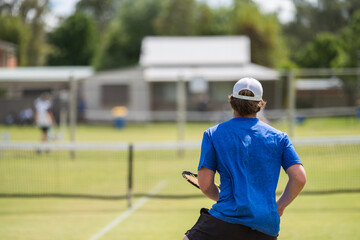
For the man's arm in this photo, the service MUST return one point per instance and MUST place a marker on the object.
(52, 118)
(207, 184)
(297, 180)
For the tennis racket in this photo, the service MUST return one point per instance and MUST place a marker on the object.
(192, 178)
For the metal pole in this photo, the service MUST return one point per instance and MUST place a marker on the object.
(181, 112)
(357, 94)
(63, 122)
(358, 78)
(73, 108)
(291, 103)
(130, 175)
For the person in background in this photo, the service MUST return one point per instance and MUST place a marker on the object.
(26, 116)
(44, 117)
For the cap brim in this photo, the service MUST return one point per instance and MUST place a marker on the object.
(255, 98)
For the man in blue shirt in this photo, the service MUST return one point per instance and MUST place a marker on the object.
(248, 154)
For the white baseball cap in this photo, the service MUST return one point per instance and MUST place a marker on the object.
(250, 84)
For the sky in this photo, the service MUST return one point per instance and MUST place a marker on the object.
(284, 8)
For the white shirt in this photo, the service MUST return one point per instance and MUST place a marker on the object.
(43, 117)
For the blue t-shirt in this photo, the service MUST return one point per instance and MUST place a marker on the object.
(248, 154)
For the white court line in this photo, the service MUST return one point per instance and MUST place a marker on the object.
(128, 212)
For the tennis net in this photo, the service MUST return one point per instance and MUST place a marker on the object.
(102, 170)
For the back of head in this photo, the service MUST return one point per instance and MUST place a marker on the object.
(247, 97)
(45, 96)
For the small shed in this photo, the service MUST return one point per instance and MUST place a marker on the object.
(19, 87)
(320, 92)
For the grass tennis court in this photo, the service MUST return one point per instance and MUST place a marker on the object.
(168, 214)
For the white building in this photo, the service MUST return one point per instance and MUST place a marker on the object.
(208, 65)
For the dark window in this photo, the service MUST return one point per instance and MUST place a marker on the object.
(115, 95)
(34, 93)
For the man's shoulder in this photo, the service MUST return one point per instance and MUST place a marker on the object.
(212, 129)
(271, 132)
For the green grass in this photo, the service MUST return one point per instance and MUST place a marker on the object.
(309, 217)
(163, 132)
(101, 174)
(319, 217)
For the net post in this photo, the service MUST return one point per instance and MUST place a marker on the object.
(130, 175)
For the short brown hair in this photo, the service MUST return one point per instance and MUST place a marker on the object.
(246, 107)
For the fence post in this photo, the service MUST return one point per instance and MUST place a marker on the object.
(358, 82)
(73, 110)
(291, 102)
(5, 138)
(130, 175)
(181, 112)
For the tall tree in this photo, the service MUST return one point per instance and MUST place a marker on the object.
(323, 52)
(264, 31)
(313, 18)
(138, 18)
(74, 41)
(122, 41)
(177, 18)
(102, 11)
(32, 13)
(13, 30)
(351, 41)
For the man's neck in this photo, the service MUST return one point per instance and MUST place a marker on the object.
(236, 114)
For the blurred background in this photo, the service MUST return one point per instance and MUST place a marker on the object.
(104, 102)
(133, 54)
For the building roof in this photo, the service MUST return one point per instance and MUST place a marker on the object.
(319, 83)
(216, 58)
(220, 73)
(9, 47)
(44, 74)
(195, 51)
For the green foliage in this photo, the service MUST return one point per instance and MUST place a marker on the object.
(74, 41)
(264, 31)
(13, 30)
(351, 41)
(323, 52)
(113, 51)
(122, 24)
(177, 18)
(205, 21)
(314, 19)
(311, 19)
(137, 19)
(189, 18)
(28, 16)
(220, 21)
(32, 13)
(122, 41)
(101, 11)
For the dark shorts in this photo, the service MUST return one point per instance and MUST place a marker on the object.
(209, 227)
(44, 129)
